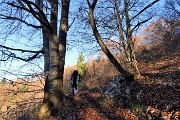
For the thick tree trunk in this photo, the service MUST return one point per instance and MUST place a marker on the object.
(46, 60)
(57, 48)
(63, 28)
(45, 33)
(53, 86)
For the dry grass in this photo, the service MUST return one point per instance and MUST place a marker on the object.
(20, 100)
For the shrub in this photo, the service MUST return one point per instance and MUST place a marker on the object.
(24, 88)
(3, 81)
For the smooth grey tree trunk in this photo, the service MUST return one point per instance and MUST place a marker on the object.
(57, 48)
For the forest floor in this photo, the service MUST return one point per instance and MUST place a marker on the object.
(158, 98)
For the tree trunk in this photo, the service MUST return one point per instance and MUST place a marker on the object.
(53, 85)
(121, 32)
(45, 33)
(63, 35)
(130, 46)
(46, 60)
(102, 45)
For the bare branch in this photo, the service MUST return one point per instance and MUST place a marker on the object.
(144, 9)
(18, 19)
(40, 11)
(139, 23)
(13, 55)
(20, 7)
(88, 3)
(35, 15)
(21, 3)
(31, 10)
(21, 50)
(92, 6)
(72, 23)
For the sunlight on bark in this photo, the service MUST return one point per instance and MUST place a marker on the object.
(44, 112)
(64, 27)
(58, 84)
(61, 47)
(54, 99)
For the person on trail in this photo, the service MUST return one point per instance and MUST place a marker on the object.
(74, 80)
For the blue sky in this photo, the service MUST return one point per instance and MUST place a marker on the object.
(19, 68)
(19, 38)
(71, 57)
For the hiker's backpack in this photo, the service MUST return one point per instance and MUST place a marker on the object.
(75, 79)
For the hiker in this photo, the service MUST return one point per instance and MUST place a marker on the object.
(74, 81)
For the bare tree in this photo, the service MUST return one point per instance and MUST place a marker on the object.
(118, 20)
(45, 16)
(101, 43)
(126, 28)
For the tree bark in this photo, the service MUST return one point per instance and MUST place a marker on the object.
(45, 33)
(54, 47)
(54, 81)
(46, 60)
(130, 46)
(63, 28)
(101, 43)
(121, 31)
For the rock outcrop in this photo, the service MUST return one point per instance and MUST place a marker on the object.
(120, 89)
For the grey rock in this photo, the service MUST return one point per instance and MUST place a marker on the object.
(118, 88)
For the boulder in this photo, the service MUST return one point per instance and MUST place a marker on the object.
(120, 89)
